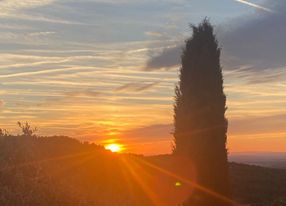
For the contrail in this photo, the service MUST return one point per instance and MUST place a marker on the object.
(254, 5)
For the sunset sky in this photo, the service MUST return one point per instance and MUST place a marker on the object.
(105, 70)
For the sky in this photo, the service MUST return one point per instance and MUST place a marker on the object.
(104, 71)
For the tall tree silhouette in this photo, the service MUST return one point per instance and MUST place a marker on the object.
(199, 119)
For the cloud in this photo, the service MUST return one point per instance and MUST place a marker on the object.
(15, 9)
(38, 72)
(1, 103)
(253, 125)
(257, 41)
(42, 33)
(148, 140)
(154, 34)
(30, 39)
(136, 87)
(10, 6)
(169, 57)
(135, 1)
(86, 93)
(150, 133)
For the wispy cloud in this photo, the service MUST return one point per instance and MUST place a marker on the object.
(38, 72)
(86, 93)
(252, 125)
(10, 6)
(154, 34)
(254, 5)
(15, 9)
(136, 87)
(1, 103)
(42, 33)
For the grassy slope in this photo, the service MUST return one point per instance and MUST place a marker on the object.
(61, 171)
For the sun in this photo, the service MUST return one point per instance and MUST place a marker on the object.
(114, 147)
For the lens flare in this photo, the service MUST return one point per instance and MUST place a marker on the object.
(178, 184)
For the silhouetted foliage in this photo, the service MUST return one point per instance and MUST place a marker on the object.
(4, 133)
(27, 129)
(199, 119)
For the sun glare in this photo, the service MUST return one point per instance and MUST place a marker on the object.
(114, 147)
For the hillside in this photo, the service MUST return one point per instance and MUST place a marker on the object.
(62, 171)
(258, 185)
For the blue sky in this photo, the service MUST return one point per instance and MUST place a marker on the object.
(80, 68)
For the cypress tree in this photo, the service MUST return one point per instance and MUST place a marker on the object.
(199, 115)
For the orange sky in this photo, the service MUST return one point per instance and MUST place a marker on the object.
(81, 69)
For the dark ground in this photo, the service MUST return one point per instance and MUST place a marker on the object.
(61, 171)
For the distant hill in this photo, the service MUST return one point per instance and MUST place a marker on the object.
(273, 160)
(59, 171)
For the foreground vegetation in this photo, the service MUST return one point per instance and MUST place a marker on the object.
(62, 171)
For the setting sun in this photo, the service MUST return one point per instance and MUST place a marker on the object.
(114, 147)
